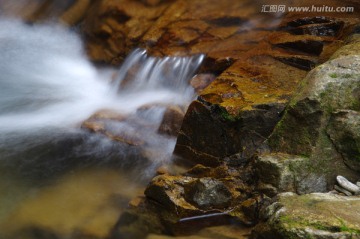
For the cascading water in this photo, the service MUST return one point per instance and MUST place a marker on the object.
(48, 88)
(46, 79)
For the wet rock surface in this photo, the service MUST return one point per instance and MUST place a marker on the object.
(171, 121)
(255, 63)
(304, 154)
(114, 28)
(134, 133)
(67, 12)
(208, 193)
(310, 216)
(197, 198)
(258, 58)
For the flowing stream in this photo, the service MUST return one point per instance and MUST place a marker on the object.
(56, 175)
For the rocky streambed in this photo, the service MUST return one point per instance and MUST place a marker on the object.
(275, 121)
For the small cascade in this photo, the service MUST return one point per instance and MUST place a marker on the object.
(48, 89)
(141, 72)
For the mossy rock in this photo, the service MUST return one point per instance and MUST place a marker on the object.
(318, 215)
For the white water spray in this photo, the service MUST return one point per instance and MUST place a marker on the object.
(47, 84)
(46, 79)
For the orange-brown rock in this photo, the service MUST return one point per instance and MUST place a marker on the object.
(104, 122)
(114, 27)
(172, 120)
(68, 12)
(200, 197)
(258, 58)
(201, 81)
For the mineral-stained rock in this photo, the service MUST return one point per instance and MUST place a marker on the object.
(317, 26)
(105, 122)
(202, 196)
(166, 190)
(172, 120)
(201, 81)
(113, 28)
(243, 117)
(321, 216)
(68, 12)
(258, 61)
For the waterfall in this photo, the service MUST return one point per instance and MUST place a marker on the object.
(48, 87)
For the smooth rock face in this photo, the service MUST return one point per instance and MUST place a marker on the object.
(343, 182)
(283, 173)
(321, 216)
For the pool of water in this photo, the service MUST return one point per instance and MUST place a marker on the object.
(83, 201)
(58, 180)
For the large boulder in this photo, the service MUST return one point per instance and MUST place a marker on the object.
(344, 132)
(320, 216)
(321, 123)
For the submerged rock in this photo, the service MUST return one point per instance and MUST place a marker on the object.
(36, 232)
(317, 215)
(110, 124)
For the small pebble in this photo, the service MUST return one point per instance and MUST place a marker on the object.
(344, 183)
(341, 190)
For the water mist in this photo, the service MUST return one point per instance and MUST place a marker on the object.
(48, 88)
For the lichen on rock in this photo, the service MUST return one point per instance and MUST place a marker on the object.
(318, 215)
(320, 122)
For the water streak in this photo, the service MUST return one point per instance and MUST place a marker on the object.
(48, 88)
